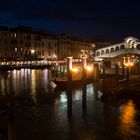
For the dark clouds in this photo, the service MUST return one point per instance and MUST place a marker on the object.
(88, 18)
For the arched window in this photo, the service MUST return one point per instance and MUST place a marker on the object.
(117, 48)
(138, 47)
(107, 51)
(112, 50)
(98, 53)
(122, 47)
(102, 52)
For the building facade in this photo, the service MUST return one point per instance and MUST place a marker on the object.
(50, 48)
(69, 45)
(24, 43)
(19, 43)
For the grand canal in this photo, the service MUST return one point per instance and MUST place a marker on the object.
(31, 110)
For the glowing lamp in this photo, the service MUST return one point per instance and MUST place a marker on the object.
(131, 64)
(89, 68)
(74, 70)
(126, 64)
(32, 51)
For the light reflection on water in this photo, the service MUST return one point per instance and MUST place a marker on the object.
(41, 112)
(128, 123)
(128, 113)
(33, 86)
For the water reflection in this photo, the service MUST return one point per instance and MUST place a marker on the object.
(128, 120)
(128, 113)
(63, 98)
(33, 86)
(39, 112)
(11, 127)
(84, 98)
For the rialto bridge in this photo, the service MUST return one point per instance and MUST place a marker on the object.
(130, 45)
(121, 55)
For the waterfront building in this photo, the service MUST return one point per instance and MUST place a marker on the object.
(74, 46)
(25, 43)
(19, 43)
(64, 45)
(101, 44)
(50, 48)
(80, 46)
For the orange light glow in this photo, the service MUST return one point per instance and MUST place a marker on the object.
(127, 117)
(74, 70)
(129, 64)
(32, 51)
(89, 68)
(126, 64)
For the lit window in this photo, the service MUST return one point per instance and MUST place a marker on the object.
(32, 51)
(15, 49)
(11, 34)
(15, 35)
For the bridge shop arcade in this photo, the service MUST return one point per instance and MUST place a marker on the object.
(122, 66)
(122, 63)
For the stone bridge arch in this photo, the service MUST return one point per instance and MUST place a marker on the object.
(129, 43)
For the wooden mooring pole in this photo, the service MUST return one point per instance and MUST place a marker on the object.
(96, 72)
(69, 86)
(84, 95)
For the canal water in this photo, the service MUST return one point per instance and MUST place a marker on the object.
(32, 109)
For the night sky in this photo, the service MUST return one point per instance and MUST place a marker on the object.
(108, 19)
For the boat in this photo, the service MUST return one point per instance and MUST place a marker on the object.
(59, 76)
(63, 82)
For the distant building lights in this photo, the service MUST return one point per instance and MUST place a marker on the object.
(32, 51)
(15, 49)
(15, 35)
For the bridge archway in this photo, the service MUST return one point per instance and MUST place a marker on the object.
(138, 46)
(98, 53)
(102, 52)
(117, 48)
(130, 45)
(112, 50)
(122, 47)
(107, 51)
(130, 48)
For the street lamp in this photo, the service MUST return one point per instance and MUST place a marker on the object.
(54, 56)
(75, 70)
(32, 51)
(89, 68)
(128, 65)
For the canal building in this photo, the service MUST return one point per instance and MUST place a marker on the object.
(68, 44)
(25, 43)
(20, 43)
(49, 47)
